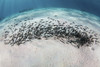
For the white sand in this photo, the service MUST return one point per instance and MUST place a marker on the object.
(48, 53)
(51, 53)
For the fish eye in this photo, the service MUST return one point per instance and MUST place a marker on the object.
(57, 37)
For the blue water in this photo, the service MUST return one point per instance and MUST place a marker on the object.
(10, 7)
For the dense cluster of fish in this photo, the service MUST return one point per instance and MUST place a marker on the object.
(62, 30)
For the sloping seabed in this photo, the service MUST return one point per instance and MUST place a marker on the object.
(49, 50)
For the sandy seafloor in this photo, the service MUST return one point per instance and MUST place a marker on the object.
(50, 53)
